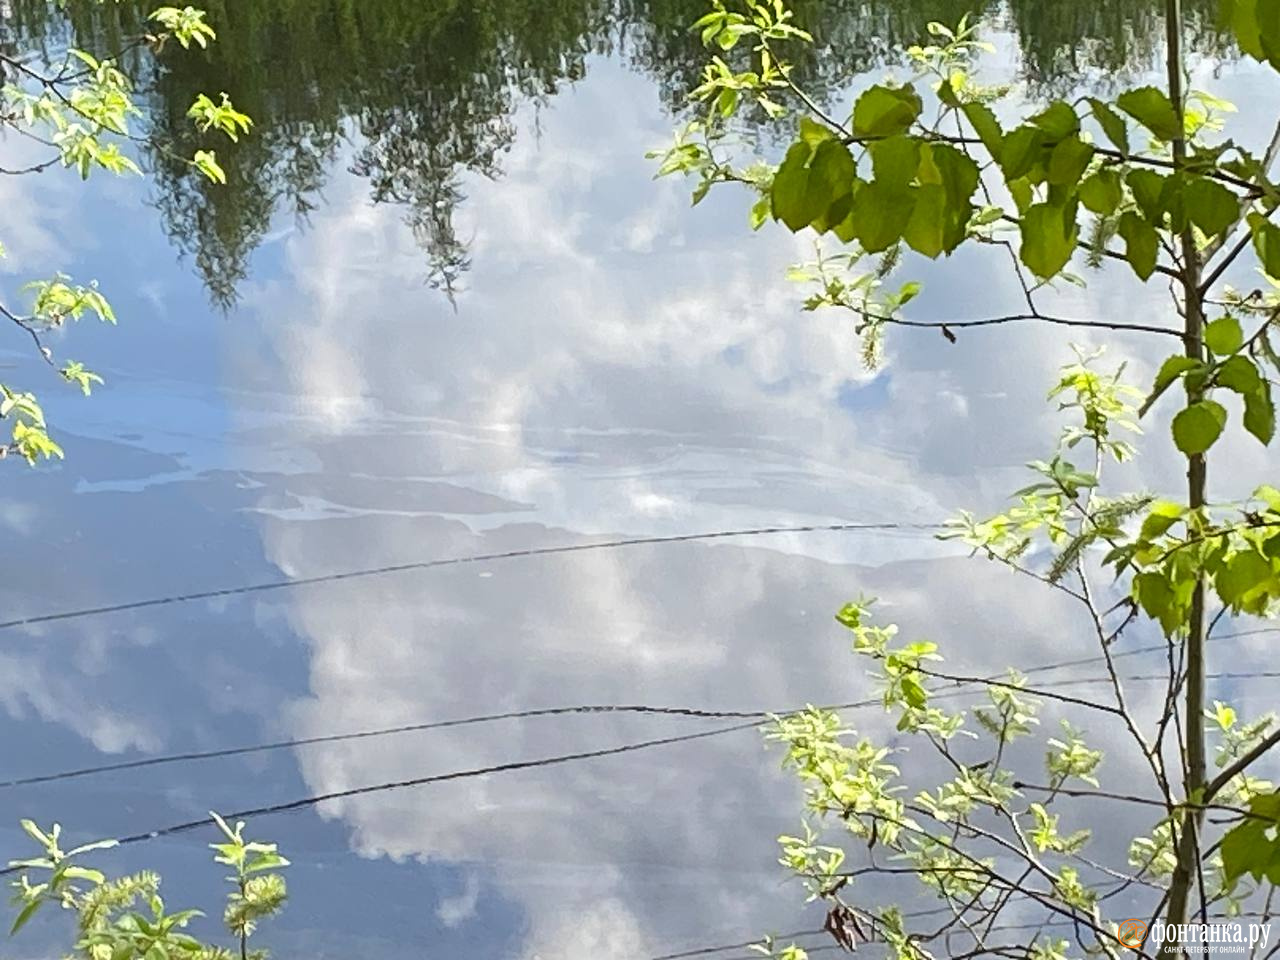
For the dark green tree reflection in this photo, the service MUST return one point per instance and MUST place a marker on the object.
(412, 94)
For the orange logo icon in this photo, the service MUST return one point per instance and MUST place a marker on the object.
(1132, 933)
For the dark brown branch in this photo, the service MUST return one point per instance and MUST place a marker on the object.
(1239, 765)
(1028, 318)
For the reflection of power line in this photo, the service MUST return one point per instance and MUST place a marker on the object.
(456, 561)
(421, 781)
(691, 712)
(385, 731)
(316, 799)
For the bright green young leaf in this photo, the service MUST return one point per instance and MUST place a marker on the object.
(24, 915)
(207, 163)
(814, 133)
(883, 111)
(1152, 109)
(1224, 336)
(1163, 515)
(1197, 427)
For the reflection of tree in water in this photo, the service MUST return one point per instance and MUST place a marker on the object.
(423, 91)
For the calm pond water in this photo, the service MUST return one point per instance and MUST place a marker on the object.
(442, 311)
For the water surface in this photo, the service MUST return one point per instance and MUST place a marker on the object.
(442, 310)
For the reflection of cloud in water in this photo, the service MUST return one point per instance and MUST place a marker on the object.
(621, 367)
(574, 394)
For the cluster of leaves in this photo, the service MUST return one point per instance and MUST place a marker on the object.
(943, 834)
(888, 176)
(124, 918)
(83, 110)
(1145, 179)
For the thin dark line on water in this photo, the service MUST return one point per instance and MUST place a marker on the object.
(690, 712)
(310, 801)
(515, 765)
(455, 561)
(382, 732)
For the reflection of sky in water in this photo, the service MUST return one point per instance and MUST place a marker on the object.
(620, 365)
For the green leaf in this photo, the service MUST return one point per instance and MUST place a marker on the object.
(792, 202)
(1152, 109)
(831, 178)
(1253, 846)
(913, 693)
(1260, 413)
(1021, 149)
(810, 181)
(207, 163)
(1068, 161)
(84, 873)
(1154, 594)
(1266, 241)
(814, 133)
(880, 214)
(1267, 17)
(1112, 124)
(1211, 206)
(1197, 427)
(985, 124)
(883, 111)
(957, 175)
(1101, 192)
(1141, 243)
(1239, 374)
(1048, 238)
(894, 160)
(924, 229)
(24, 915)
(1224, 336)
(1147, 187)
(1242, 16)
(1242, 581)
(1164, 514)
(1172, 368)
(1058, 121)
(33, 831)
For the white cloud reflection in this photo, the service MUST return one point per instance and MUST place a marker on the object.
(624, 365)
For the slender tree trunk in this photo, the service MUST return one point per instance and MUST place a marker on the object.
(1188, 851)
